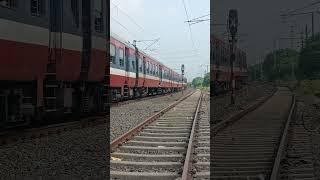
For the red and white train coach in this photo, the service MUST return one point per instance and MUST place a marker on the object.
(220, 65)
(52, 59)
(54, 62)
(133, 73)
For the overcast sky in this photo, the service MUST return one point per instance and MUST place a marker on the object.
(164, 19)
(260, 20)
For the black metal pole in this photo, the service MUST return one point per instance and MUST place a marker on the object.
(312, 24)
(233, 28)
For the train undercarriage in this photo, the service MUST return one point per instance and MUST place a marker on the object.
(124, 93)
(25, 104)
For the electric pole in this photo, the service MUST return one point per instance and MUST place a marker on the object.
(306, 32)
(274, 56)
(182, 73)
(233, 28)
(304, 13)
(261, 73)
(301, 37)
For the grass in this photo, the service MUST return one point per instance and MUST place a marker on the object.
(309, 87)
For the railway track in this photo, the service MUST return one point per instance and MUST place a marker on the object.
(249, 145)
(160, 147)
(14, 135)
(297, 161)
(120, 103)
(201, 157)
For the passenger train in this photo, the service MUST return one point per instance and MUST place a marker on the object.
(134, 73)
(220, 74)
(55, 64)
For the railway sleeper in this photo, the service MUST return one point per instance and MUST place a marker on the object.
(148, 157)
(151, 150)
(162, 139)
(164, 134)
(242, 172)
(143, 175)
(147, 166)
(165, 130)
(156, 144)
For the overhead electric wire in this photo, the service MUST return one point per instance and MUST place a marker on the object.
(154, 42)
(186, 11)
(298, 9)
(130, 18)
(123, 26)
(175, 52)
(198, 18)
(181, 56)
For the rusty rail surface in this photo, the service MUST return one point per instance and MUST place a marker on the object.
(283, 142)
(186, 175)
(123, 138)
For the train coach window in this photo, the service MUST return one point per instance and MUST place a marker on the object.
(147, 67)
(121, 57)
(8, 3)
(37, 7)
(140, 64)
(112, 54)
(153, 69)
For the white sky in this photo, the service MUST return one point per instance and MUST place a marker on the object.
(164, 19)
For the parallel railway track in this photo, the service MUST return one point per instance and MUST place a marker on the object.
(297, 158)
(14, 135)
(160, 147)
(249, 145)
(120, 103)
(201, 157)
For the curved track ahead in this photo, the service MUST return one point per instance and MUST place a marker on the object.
(247, 148)
(160, 149)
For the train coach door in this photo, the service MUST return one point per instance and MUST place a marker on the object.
(126, 65)
(160, 74)
(144, 70)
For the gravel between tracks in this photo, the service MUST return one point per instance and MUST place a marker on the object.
(77, 154)
(310, 105)
(127, 116)
(221, 107)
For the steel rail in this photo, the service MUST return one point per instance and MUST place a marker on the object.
(186, 174)
(283, 142)
(128, 135)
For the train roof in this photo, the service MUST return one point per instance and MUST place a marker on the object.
(128, 44)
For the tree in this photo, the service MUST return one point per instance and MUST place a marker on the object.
(206, 80)
(276, 65)
(197, 82)
(309, 61)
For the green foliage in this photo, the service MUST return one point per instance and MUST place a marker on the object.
(197, 82)
(309, 63)
(200, 82)
(281, 64)
(309, 87)
(206, 80)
